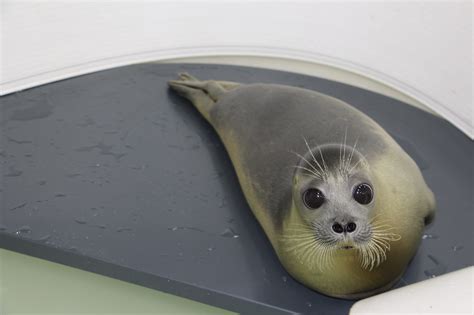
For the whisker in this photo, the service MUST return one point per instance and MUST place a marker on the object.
(299, 225)
(307, 162)
(298, 238)
(322, 159)
(300, 229)
(344, 152)
(299, 245)
(382, 243)
(309, 252)
(311, 152)
(382, 228)
(352, 152)
(355, 165)
(307, 247)
(375, 217)
(374, 252)
(318, 176)
(340, 155)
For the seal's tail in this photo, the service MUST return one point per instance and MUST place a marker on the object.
(203, 94)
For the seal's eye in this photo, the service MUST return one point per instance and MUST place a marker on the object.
(313, 198)
(363, 194)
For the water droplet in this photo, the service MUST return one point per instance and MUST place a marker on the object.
(138, 167)
(23, 229)
(403, 281)
(438, 270)
(175, 228)
(211, 249)
(87, 121)
(284, 278)
(44, 238)
(80, 221)
(222, 203)
(13, 172)
(19, 141)
(103, 149)
(123, 229)
(229, 233)
(429, 236)
(19, 206)
(40, 109)
(308, 304)
(72, 175)
(457, 247)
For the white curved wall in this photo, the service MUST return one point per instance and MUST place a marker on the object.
(421, 48)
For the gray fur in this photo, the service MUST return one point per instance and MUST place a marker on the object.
(272, 122)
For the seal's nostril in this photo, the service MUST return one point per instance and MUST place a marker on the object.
(350, 227)
(336, 227)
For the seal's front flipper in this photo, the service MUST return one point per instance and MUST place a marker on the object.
(203, 94)
(431, 210)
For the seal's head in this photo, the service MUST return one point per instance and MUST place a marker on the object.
(335, 194)
(355, 220)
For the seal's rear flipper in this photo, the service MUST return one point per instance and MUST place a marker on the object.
(203, 94)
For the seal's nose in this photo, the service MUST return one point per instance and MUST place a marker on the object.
(339, 228)
(350, 227)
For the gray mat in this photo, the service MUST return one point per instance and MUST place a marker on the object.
(112, 173)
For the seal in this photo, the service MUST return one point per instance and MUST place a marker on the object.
(342, 204)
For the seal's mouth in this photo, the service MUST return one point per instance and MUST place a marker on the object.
(346, 247)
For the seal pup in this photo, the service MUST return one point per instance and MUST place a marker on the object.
(342, 204)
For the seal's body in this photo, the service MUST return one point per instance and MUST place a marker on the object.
(342, 204)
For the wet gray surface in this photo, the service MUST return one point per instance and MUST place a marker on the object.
(113, 173)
